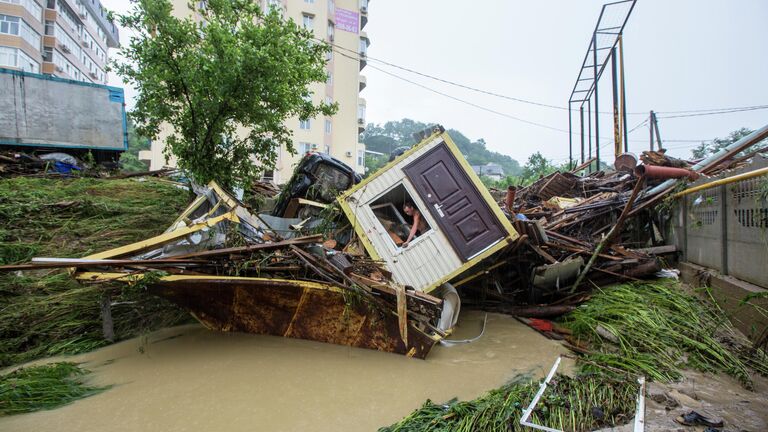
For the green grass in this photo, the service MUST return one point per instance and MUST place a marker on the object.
(660, 329)
(583, 403)
(45, 313)
(43, 387)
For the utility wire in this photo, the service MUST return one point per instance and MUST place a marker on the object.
(724, 111)
(530, 102)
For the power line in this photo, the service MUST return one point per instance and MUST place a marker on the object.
(724, 111)
(530, 102)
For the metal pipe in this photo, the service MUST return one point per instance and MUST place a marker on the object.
(597, 99)
(581, 122)
(617, 146)
(623, 94)
(589, 130)
(662, 172)
(510, 201)
(724, 181)
(570, 138)
(742, 144)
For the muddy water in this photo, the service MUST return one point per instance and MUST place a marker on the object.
(191, 379)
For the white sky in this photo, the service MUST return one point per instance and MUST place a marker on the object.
(680, 55)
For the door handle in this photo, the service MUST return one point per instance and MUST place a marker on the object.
(438, 207)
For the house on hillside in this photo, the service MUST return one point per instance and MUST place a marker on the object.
(491, 170)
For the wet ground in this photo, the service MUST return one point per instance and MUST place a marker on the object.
(716, 396)
(191, 379)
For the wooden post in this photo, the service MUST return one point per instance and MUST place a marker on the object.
(107, 325)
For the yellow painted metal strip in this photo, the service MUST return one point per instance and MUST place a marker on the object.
(359, 230)
(190, 208)
(164, 238)
(467, 265)
(389, 165)
(124, 277)
(738, 177)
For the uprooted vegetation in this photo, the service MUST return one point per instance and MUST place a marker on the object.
(583, 403)
(653, 329)
(44, 387)
(46, 312)
(657, 329)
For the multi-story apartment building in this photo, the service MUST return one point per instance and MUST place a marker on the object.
(340, 23)
(64, 38)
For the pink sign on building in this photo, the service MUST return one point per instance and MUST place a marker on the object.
(347, 20)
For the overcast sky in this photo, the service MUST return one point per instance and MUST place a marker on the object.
(679, 55)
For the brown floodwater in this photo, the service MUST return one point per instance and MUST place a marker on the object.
(192, 379)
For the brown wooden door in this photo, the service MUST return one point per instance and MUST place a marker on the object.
(454, 202)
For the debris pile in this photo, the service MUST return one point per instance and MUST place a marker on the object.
(236, 273)
(578, 232)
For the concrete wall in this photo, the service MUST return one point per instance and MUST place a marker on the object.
(726, 227)
(46, 111)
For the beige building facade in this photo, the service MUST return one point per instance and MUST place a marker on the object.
(340, 23)
(64, 38)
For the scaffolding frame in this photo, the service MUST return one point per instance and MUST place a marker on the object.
(605, 44)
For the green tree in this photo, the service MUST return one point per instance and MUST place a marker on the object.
(234, 69)
(393, 134)
(536, 167)
(709, 148)
(129, 160)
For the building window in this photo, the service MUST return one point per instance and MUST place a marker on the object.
(33, 8)
(328, 100)
(308, 21)
(9, 25)
(18, 27)
(66, 43)
(327, 149)
(329, 81)
(27, 64)
(305, 148)
(363, 47)
(329, 55)
(398, 213)
(305, 124)
(309, 1)
(16, 58)
(328, 126)
(331, 7)
(330, 31)
(363, 5)
(361, 113)
(361, 158)
(8, 57)
(48, 54)
(49, 28)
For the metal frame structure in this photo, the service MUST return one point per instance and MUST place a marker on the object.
(603, 46)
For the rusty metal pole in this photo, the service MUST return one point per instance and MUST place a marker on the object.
(656, 130)
(581, 122)
(616, 119)
(650, 125)
(597, 100)
(570, 138)
(623, 94)
(589, 131)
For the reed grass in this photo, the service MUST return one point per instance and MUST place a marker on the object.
(658, 329)
(43, 387)
(583, 403)
(45, 313)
